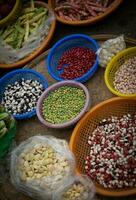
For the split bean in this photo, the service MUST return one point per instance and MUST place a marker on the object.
(76, 192)
(41, 162)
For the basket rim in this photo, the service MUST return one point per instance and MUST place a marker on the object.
(110, 66)
(12, 12)
(90, 72)
(20, 71)
(54, 87)
(100, 189)
(43, 45)
(94, 20)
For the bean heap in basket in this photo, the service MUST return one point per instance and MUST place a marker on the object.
(22, 96)
(76, 192)
(76, 62)
(40, 162)
(63, 104)
(81, 9)
(125, 77)
(29, 21)
(112, 158)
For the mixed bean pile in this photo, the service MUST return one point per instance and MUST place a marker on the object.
(27, 23)
(76, 62)
(81, 9)
(112, 158)
(21, 97)
(76, 192)
(125, 77)
(40, 162)
(63, 104)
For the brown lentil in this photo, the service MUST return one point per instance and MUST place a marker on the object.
(125, 77)
(112, 158)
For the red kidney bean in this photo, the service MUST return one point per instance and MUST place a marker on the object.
(76, 62)
(112, 158)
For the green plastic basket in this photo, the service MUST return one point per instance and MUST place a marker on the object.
(6, 141)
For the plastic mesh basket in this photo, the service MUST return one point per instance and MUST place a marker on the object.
(17, 75)
(78, 142)
(71, 122)
(114, 65)
(75, 40)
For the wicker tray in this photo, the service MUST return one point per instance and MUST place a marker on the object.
(43, 46)
(31, 127)
(90, 21)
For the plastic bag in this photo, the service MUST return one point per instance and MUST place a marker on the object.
(109, 49)
(40, 186)
(10, 55)
(86, 191)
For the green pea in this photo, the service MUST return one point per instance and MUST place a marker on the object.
(63, 104)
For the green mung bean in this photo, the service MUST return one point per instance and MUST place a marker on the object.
(63, 104)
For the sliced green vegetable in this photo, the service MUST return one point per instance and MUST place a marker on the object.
(37, 17)
(4, 116)
(10, 123)
(2, 124)
(29, 21)
(2, 109)
(3, 132)
(32, 4)
(26, 31)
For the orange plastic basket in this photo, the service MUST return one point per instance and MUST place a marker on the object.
(78, 143)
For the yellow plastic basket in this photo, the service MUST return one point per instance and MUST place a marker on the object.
(113, 66)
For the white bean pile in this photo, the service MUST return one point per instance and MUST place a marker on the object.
(76, 192)
(40, 162)
(22, 96)
(125, 77)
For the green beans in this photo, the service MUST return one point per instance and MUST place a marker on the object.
(63, 104)
(7, 122)
(28, 22)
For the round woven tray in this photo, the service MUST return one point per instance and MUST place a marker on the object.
(93, 20)
(38, 51)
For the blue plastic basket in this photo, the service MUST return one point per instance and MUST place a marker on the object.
(17, 75)
(66, 43)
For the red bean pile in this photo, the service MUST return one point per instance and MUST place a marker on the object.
(112, 158)
(76, 62)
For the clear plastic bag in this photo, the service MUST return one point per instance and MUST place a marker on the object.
(44, 186)
(109, 49)
(85, 192)
(10, 55)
